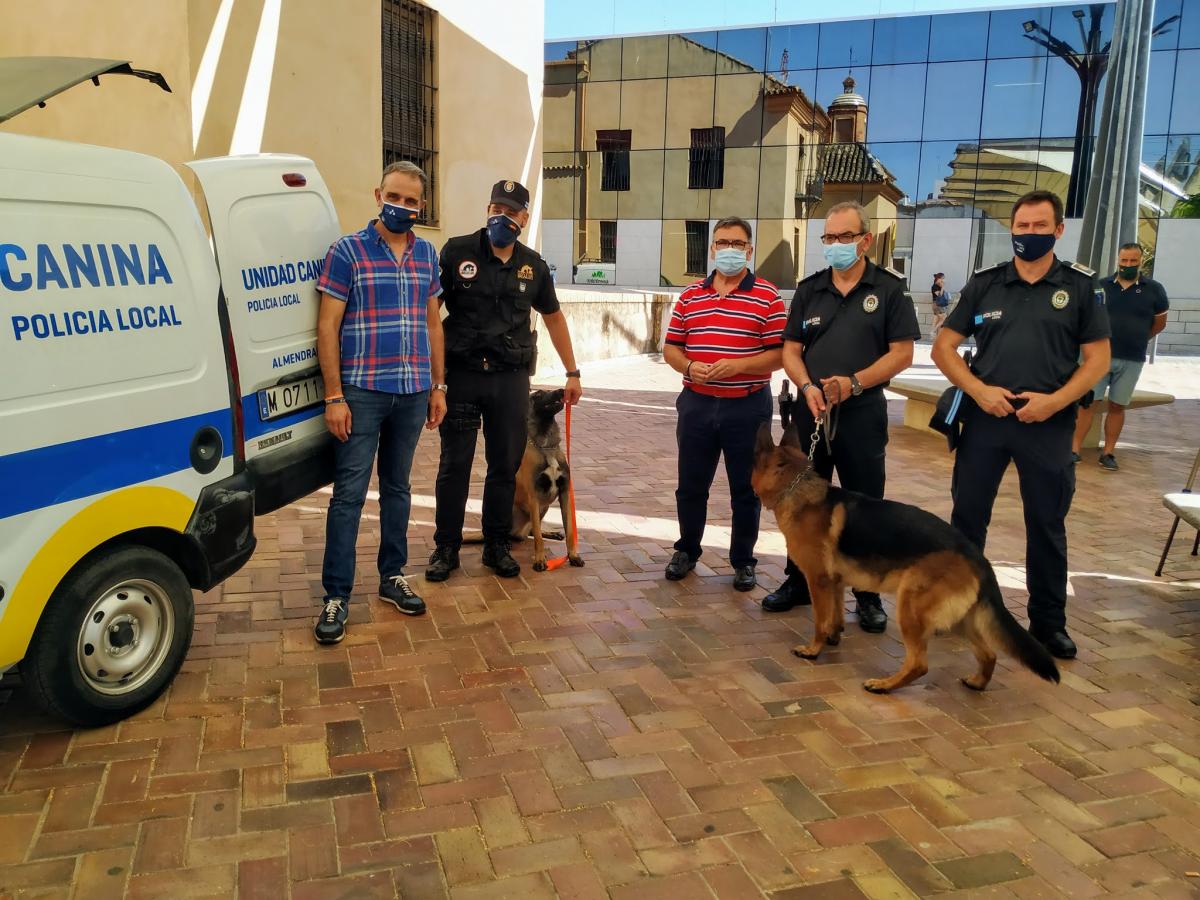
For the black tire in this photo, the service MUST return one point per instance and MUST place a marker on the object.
(142, 594)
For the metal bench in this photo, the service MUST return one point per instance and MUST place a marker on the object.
(921, 393)
(1186, 506)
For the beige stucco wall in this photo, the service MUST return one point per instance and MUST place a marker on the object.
(325, 89)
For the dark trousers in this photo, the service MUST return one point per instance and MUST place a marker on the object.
(392, 423)
(858, 453)
(707, 428)
(501, 401)
(1042, 453)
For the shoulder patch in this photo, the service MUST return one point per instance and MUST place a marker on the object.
(898, 275)
(1080, 267)
(991, 268)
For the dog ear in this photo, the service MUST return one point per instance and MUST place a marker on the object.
(764, 443)
(791, 437)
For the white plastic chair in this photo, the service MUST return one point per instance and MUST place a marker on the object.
(1186, 506)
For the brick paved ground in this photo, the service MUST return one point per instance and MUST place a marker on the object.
(599, 732)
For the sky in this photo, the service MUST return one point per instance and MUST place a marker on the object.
(574, 19)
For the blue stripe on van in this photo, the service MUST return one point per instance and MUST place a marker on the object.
(44, 476)
(256, 427)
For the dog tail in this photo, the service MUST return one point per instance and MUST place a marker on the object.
(472, 537)
(1007, 631)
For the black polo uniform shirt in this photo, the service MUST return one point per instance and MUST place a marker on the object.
(844, 335)
(488, 303)
(1028, 335)
(1131, 313)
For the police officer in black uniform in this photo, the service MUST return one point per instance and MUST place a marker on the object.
(850, 330)
(1033, 318)
(490, 283)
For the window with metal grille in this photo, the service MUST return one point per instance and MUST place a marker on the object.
(697, 248)
(608, 242)
(614, 145)
(706, 160)
(409, 93)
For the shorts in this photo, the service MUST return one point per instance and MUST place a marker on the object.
(1120, 381)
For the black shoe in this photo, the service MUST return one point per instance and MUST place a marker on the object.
(743, 579)
(331, 623)
(442, 562)
(793, 592)
(497, 557)
(1108, 462)
(395, 590)
(1075, 457)
(679, 565)
(1056, 641)
(871, 617)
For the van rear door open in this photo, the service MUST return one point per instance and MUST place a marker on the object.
(272, 224)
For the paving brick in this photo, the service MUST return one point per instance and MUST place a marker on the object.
(463, 856)
(983, 870)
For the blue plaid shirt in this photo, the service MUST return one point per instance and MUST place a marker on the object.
(385, 336)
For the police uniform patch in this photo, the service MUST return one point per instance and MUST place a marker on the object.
(467, 270)
(525, 273)
(1060, 299)
(508, 187)
(1100, 297)
(870, 303)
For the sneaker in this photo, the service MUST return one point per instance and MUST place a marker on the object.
(679, 565)
(395, 590)
(497, 558)
(442, 562)
(331, 623)
(1075, 457)
(1108, 462)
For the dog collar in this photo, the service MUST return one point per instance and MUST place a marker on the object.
(795, 481)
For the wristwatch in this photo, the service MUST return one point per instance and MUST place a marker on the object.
(804, 387)
(440, 387)
(574, 373)
(856, 387)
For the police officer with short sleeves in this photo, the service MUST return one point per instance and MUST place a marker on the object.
(1033, 318)
(491, 281)
(850, 330)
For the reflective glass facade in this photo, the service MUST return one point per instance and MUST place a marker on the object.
(935, 123)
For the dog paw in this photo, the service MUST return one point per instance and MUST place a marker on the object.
(974, 682)
(552, 535)
(876, 686)
(834, 639)
(576, 561)
(811, 651)
(539, 565)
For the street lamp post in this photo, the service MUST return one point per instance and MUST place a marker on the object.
(1089, 64)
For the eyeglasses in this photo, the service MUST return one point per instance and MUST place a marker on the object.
(846, 237)
(734, 245)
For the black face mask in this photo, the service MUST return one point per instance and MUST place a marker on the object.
(1030, 247)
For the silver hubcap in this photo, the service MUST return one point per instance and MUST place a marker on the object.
(125, 636)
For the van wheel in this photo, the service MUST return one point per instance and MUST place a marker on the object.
(112, 637)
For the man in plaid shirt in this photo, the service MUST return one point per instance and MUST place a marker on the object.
(379, 341)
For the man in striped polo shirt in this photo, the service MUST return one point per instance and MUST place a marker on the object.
(725, 338)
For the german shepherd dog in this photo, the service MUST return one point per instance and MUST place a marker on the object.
(840, 538)
(544, 477)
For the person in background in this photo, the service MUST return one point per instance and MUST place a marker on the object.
(379, 343)
(941, 301)
(1137, 311)
(724, 338)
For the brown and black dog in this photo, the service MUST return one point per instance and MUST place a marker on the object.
(941, 581)
(544, 477)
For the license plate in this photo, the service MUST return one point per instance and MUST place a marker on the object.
(285, 399)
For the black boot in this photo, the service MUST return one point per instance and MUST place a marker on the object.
(442, 562)
(793, 592)
(497, 557)
(871, 617)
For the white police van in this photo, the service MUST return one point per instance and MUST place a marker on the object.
(153, 397)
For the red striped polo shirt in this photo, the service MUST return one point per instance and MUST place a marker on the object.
(709, 327)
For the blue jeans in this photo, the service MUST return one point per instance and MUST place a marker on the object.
(392, 423)
(707, 429)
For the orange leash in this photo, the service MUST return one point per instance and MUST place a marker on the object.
(558, 561)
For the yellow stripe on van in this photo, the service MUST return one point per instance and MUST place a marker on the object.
(111, 515)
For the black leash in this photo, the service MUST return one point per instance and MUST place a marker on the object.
(826, 424)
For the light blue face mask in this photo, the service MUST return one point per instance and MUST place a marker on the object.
(730, 261)
(841, 256)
